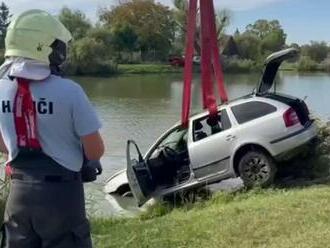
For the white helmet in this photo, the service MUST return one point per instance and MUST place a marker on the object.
(36, 34)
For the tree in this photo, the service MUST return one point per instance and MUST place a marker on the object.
(75, 21)
(260, 39)
(125, 39)
(317, 51)
(248, 46)
(4, 22)
(152, 23)
(88, 57)
(223, 18)
(270, 33)
(262, 28)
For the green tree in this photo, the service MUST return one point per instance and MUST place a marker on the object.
(125, 39)
(263, 28)
(223, 18)
(317, 51)
(270, 33)
(88, 57)
(260, 39)
(4, 22)
(76, 22)
(248, 46)
(152, 23)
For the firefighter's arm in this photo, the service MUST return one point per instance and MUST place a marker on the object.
(93, 146)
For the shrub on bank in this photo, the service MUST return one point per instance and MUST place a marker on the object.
(326, 65)
(147, 68)
(240, 65)
(94, 68)
(307, 64)
(88, 57)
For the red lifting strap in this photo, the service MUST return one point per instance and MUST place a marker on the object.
(210, 59)
(188, 68)
(25, 116)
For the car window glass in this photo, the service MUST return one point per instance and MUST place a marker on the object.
(177, 137)
(206, 127)
(252, 110)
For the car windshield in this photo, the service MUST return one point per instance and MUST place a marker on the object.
(176, 139)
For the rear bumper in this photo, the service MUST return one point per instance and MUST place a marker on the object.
(303, 140)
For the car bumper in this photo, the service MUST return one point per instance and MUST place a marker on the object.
(115, 182)
(296, 143)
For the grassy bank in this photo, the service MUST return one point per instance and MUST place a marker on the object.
(265, 218)
(296, 216)
(147, 68)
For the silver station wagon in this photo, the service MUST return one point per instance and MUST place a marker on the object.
(247, 139)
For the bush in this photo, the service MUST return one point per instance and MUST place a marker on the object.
(326, 65)
(307, 64)
(240, 65)
(147, 68)
(88, 57)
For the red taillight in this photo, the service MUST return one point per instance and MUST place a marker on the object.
(290, 117)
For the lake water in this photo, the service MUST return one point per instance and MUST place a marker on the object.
(141, 107)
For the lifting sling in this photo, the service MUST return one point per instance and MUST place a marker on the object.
(210, 59)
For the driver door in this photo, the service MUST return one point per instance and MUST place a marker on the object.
(138, 174)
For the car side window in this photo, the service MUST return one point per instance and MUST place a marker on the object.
(205, 126)
(252, 110)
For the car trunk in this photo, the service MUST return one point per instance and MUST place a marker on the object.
(272, 64)
(297, 104)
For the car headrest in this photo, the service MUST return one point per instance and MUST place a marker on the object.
(198, 126)
(212, 121)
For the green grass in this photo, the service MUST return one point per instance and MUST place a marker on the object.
(263, 218)
(147, 68)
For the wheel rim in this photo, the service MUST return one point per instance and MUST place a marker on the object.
(256, 170)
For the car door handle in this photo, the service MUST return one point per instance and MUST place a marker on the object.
(230, 137)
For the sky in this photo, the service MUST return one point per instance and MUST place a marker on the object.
(302, 20)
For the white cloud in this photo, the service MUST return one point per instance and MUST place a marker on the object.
(90, 7)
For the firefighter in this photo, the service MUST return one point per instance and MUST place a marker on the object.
(47, 127)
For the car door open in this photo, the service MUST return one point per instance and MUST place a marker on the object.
(138, 175)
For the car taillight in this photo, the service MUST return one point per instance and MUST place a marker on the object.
(290, 117)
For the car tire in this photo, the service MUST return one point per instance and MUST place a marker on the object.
(257, 169)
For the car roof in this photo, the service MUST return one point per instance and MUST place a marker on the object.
(240, 100)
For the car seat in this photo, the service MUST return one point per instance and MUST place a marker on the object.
(199, 133)
(215, 124)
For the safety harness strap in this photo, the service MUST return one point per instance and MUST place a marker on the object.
(25, 117)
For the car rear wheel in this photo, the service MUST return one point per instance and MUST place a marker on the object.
(257, 168)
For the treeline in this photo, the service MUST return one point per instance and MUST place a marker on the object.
(144, 31)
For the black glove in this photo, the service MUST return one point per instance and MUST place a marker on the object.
(90, 170)
(96, 164)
